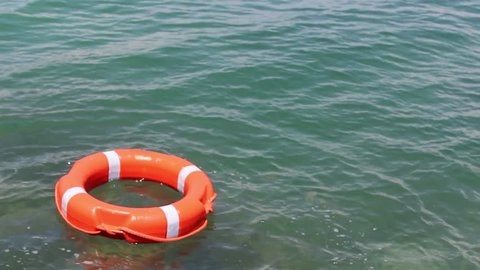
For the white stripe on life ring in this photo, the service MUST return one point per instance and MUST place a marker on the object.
(182, 176)
(68, 195)
(173, 220)
(113, 165)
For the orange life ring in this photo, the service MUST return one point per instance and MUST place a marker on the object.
(149, 224)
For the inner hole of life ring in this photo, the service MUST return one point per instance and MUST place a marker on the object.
(136, 193)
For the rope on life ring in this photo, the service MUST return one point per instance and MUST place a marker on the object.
(175, 221)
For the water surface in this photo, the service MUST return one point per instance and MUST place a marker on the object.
(338, 135)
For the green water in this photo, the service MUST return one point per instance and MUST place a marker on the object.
(337, 134)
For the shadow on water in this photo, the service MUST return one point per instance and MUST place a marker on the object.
(136, 193)
(99, 252)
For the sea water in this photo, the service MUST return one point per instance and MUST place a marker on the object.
(337, 134)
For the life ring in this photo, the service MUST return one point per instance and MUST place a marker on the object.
(175, 221)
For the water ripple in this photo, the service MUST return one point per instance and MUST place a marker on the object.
(338, 135)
